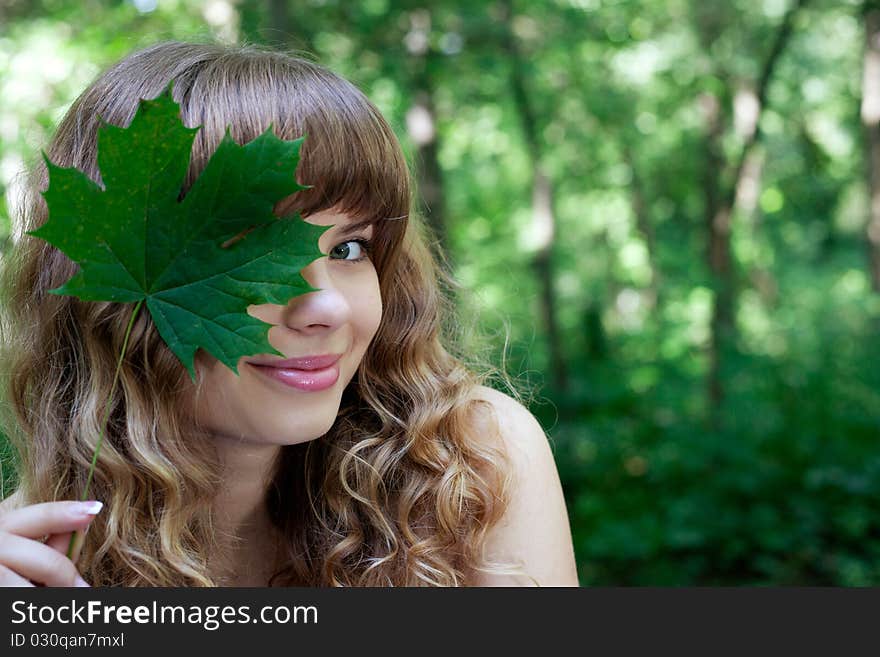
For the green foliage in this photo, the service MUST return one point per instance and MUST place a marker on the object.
(134, 240)
(786, 493)
(8, 474)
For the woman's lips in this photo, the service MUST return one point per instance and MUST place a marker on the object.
(301, 363)
(311, 374)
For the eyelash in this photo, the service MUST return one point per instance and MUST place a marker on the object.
(366, 249)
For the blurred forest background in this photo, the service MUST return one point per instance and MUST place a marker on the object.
(672, 206)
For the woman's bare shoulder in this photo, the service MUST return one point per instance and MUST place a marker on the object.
(534, 531)
(521, 433)
(500, 404)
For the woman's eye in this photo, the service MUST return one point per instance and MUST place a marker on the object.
(352, 250)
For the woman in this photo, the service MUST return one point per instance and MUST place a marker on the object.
(399, 469)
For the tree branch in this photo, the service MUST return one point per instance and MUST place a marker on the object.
(783, 35)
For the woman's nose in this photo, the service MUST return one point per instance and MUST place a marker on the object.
(325, 309)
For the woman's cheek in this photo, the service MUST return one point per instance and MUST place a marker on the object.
(371, 312)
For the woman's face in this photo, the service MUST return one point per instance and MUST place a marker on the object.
(282, 403)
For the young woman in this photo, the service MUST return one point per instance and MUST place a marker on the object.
(401, 469)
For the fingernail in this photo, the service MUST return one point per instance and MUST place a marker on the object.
(81, 582)
(90, 508)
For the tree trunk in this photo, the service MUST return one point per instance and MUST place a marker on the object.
(717, 221)
(760, 277)
(422, 128)
(543, 202)
(279, 17)
(643, 223)
(720, 203)
(421, 122)
(871, 124)
(277, 23)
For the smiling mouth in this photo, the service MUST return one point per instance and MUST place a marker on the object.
(310, 374)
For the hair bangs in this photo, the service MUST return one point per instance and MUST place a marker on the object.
(350, 158)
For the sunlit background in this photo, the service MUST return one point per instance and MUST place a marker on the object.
(665, 205)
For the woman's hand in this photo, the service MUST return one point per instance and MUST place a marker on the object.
(34, 541)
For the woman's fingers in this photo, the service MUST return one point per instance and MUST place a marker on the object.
(36, 562)
(10, 578)
(61, 543)
(24, 559)
(39, 520)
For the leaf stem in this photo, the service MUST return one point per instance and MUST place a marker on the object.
(85, 493)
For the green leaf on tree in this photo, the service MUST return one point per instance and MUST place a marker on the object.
(198, 262)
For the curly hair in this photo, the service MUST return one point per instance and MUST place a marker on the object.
(403, 488)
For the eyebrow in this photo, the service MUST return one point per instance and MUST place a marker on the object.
(355, 226)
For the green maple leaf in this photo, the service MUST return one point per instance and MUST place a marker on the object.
(135, 241)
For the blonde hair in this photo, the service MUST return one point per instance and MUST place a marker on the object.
(400, 491)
